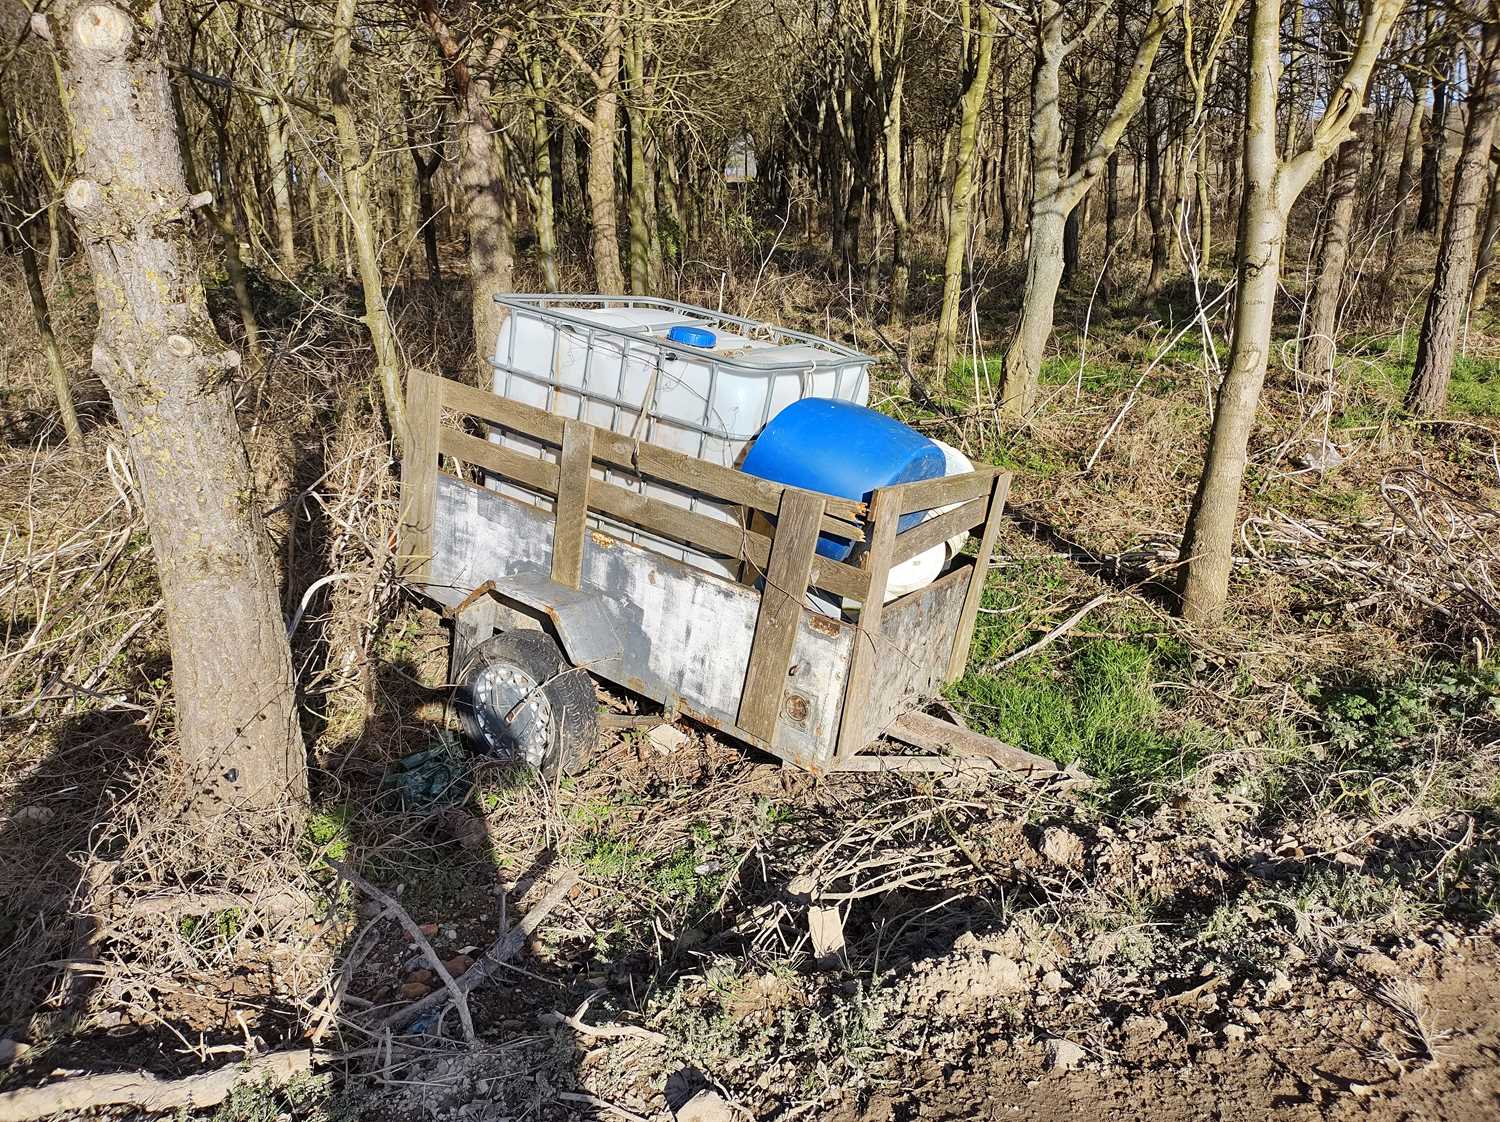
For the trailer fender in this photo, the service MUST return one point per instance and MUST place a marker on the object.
(578, 616)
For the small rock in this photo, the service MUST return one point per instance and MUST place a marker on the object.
(1235, 1034)
(13, 1050)
(422, 977)
(1278, 987)
(458, 964)
(666, 739)
(1062, 847)
(705, 1106)
(414, 991)
(1054, 981)
(1064, 1055)
(1143, 1030)
(1005, 974)
(37, 814)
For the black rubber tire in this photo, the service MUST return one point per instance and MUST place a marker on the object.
(529, 671)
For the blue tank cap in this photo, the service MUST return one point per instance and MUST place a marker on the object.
(692, 336)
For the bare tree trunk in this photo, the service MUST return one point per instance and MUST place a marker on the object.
(1489, 244)
(273, 118)
(487, 220)
(645, 246)
(1156, 206)
(1053, 197)
(602, 208)
(1406, 175)
(166, 372)
(541, 160)
(1448, 302)
(1271, 188)
(1077, 152)
(362, 226)
(13, 215)
(1434, 141)
(970, 104)
(892, 87)
(1333, 255)
(426, 209)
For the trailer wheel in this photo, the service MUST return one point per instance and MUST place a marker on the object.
(518, 699)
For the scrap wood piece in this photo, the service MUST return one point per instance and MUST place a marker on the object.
(936, 735)
(145, 1091)
(501, 951)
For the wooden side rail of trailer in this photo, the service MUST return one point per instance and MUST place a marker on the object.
(749, 658)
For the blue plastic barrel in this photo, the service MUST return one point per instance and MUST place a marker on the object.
(842, 449)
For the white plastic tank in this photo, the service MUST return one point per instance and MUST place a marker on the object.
(609, 361)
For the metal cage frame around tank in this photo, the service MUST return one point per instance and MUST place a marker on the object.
(542, 306)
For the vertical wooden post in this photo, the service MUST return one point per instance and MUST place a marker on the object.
(424, 407)
(885, 516)
(571, 512)
(959, 659)
(788, 570)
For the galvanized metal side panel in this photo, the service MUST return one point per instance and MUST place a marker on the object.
(686, 634)
(916, 640)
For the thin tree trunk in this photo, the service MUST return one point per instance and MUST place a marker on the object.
(893, 86)
(1448, 302)
(1077, 151)
(168, 375)
(426, 167)
(1156, 207)
(602, 207)
(362, 227)
(13, 215)
(1489, 244)
(273, 118)
(1434, 142)
(541, 163)
(1053, 197)
(1406, 178)
(1333, 255)
(487, 217)
(1271, 187)
(970, 104)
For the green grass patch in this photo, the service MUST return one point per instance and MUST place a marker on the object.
(1380, 368)
(1095, 706)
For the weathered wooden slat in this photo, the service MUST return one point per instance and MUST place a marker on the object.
(419, 474)
(844, 517)
(926, 494)
(854, 726)
(689, 527)
(936, 735)
(927, 534)
(964, 636)
(787, 574)
(570, 515)
(529, 471)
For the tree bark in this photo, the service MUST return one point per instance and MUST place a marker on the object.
(1489, 244)
(1434, 141)
(362, 226)
(1271, 187)
(273, 118)
(169, 378)
(970, 105)
(1333, 256)
(603, 211)
(1053, 197)
(1448, 302)
(13, 215)
(541, 162)
(1411, 150)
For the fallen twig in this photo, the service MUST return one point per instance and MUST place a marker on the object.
(415, 931)
(506, 947)
(145, 1091)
